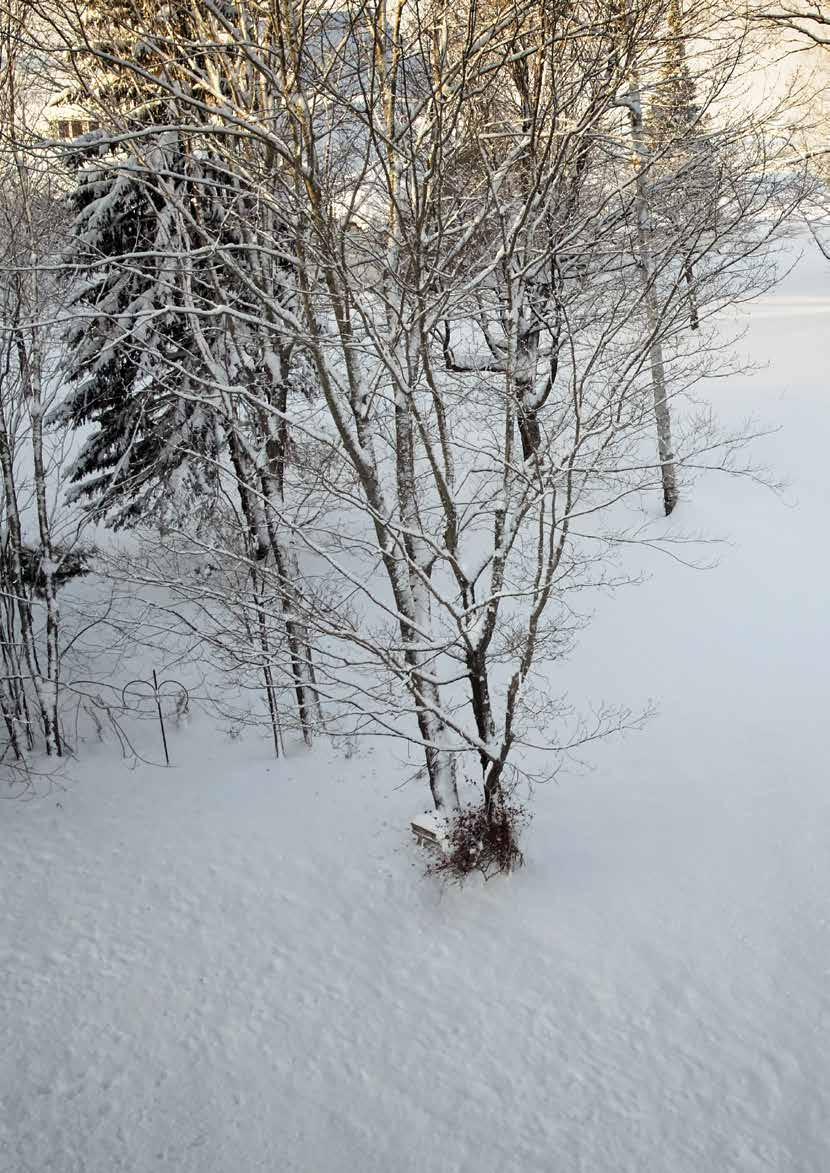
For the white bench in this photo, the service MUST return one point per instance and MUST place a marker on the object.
(429, 829)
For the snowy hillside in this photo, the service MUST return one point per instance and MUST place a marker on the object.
(236, 965)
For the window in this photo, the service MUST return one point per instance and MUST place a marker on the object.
(69, 128)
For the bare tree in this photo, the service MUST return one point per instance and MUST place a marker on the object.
(30, 568)
(460, 204)
(806, 18)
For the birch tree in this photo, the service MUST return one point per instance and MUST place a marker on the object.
(33, 561)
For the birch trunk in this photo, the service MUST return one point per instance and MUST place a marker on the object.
(32, 391)
(46, 697)
(648, 277)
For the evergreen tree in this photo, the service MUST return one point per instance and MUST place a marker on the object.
(674, 112)
(135, 373)
(685, 168)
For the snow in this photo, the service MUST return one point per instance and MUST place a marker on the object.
(238, 964)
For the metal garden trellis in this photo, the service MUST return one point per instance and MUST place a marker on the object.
(155, 693)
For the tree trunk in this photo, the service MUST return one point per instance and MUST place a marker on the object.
(694, 317)
(47, 704)
(530, 433)
(263, 539)
(31, 386)
(440, 763)
(662, 415)
(267, 673)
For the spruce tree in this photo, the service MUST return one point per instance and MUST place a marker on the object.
(134, 372)
(674, 111)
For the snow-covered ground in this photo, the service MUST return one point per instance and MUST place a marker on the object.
(237, 965)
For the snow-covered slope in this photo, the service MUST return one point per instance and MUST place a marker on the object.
(236, 965)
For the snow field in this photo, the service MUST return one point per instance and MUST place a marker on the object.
(236, 965)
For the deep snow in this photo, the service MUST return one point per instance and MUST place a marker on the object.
(237, 964)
